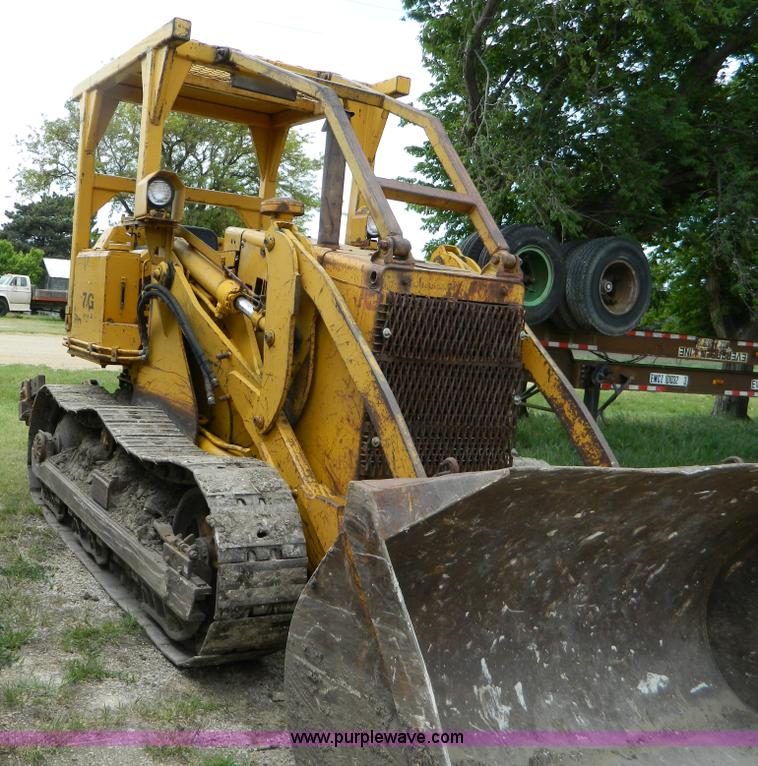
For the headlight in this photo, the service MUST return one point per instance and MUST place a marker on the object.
(160, 192)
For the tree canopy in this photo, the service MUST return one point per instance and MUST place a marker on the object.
(207, 154)
(611, 116)
(44, 224)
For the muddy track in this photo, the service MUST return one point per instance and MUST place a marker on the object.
(253, 525)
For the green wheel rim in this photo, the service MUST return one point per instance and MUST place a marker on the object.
(539, 274)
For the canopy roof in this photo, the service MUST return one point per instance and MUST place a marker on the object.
(57, 268)
(215, 87)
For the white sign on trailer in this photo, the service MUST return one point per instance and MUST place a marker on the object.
(667, 379)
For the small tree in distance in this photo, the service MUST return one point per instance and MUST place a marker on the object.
(15, 262)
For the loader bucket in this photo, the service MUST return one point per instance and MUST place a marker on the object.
(595, 616)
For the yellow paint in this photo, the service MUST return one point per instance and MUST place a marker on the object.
(449, 255)
(269, 144)
(368, 123)
(583, 431)
(103, 309)
(283, 293)
(165, 376)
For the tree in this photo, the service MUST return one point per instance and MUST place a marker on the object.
(612, 116)
(13, 261)
(205, 153)
(44, 224)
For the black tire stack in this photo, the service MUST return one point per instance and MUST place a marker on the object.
(601, 285)
(541, 262)
(608, 285)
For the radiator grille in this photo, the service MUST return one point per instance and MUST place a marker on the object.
(454, 367)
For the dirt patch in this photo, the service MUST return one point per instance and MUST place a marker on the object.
(59, 681)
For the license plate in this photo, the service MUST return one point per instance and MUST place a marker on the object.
(666, 379)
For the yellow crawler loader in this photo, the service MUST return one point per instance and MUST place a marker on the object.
(311, 445)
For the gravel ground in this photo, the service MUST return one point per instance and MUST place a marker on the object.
(25, 348)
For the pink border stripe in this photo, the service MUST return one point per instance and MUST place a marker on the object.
(614, 739)
(735, 738)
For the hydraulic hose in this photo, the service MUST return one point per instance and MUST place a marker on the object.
(153, 291)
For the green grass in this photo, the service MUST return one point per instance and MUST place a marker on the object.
(23, 569)
(36, 756)
(35, 325)
(191, 756)
(12, 639)
(86, 668)
(14, 496)
(67, 720)
(19, 616)
(219, 760)
(12, 695)
(88, 638)
(185, 711)
(647, 430)
(161, 753)
(24, 693)
(182, 712)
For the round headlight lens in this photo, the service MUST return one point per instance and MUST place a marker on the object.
(159, 192)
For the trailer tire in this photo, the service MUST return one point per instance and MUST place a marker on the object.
(542, 261)
(472, 246)
(205, 235)
(544, 269)
(3, 307)
(563, 319)
(608, 285)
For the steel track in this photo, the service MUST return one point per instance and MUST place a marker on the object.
(260, 560)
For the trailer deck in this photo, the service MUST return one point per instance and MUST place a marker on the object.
(647, 360)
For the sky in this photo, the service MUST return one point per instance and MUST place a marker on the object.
(48, 48)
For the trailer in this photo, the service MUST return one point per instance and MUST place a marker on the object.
(649, 360)
(18, 294)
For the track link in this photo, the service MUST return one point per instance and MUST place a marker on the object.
(203, 599)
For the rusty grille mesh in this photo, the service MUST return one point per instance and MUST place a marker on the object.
(454, 367)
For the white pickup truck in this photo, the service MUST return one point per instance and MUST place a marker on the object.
(18, 294)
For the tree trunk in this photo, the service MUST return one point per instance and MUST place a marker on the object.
(732, 406)
(472, 62)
